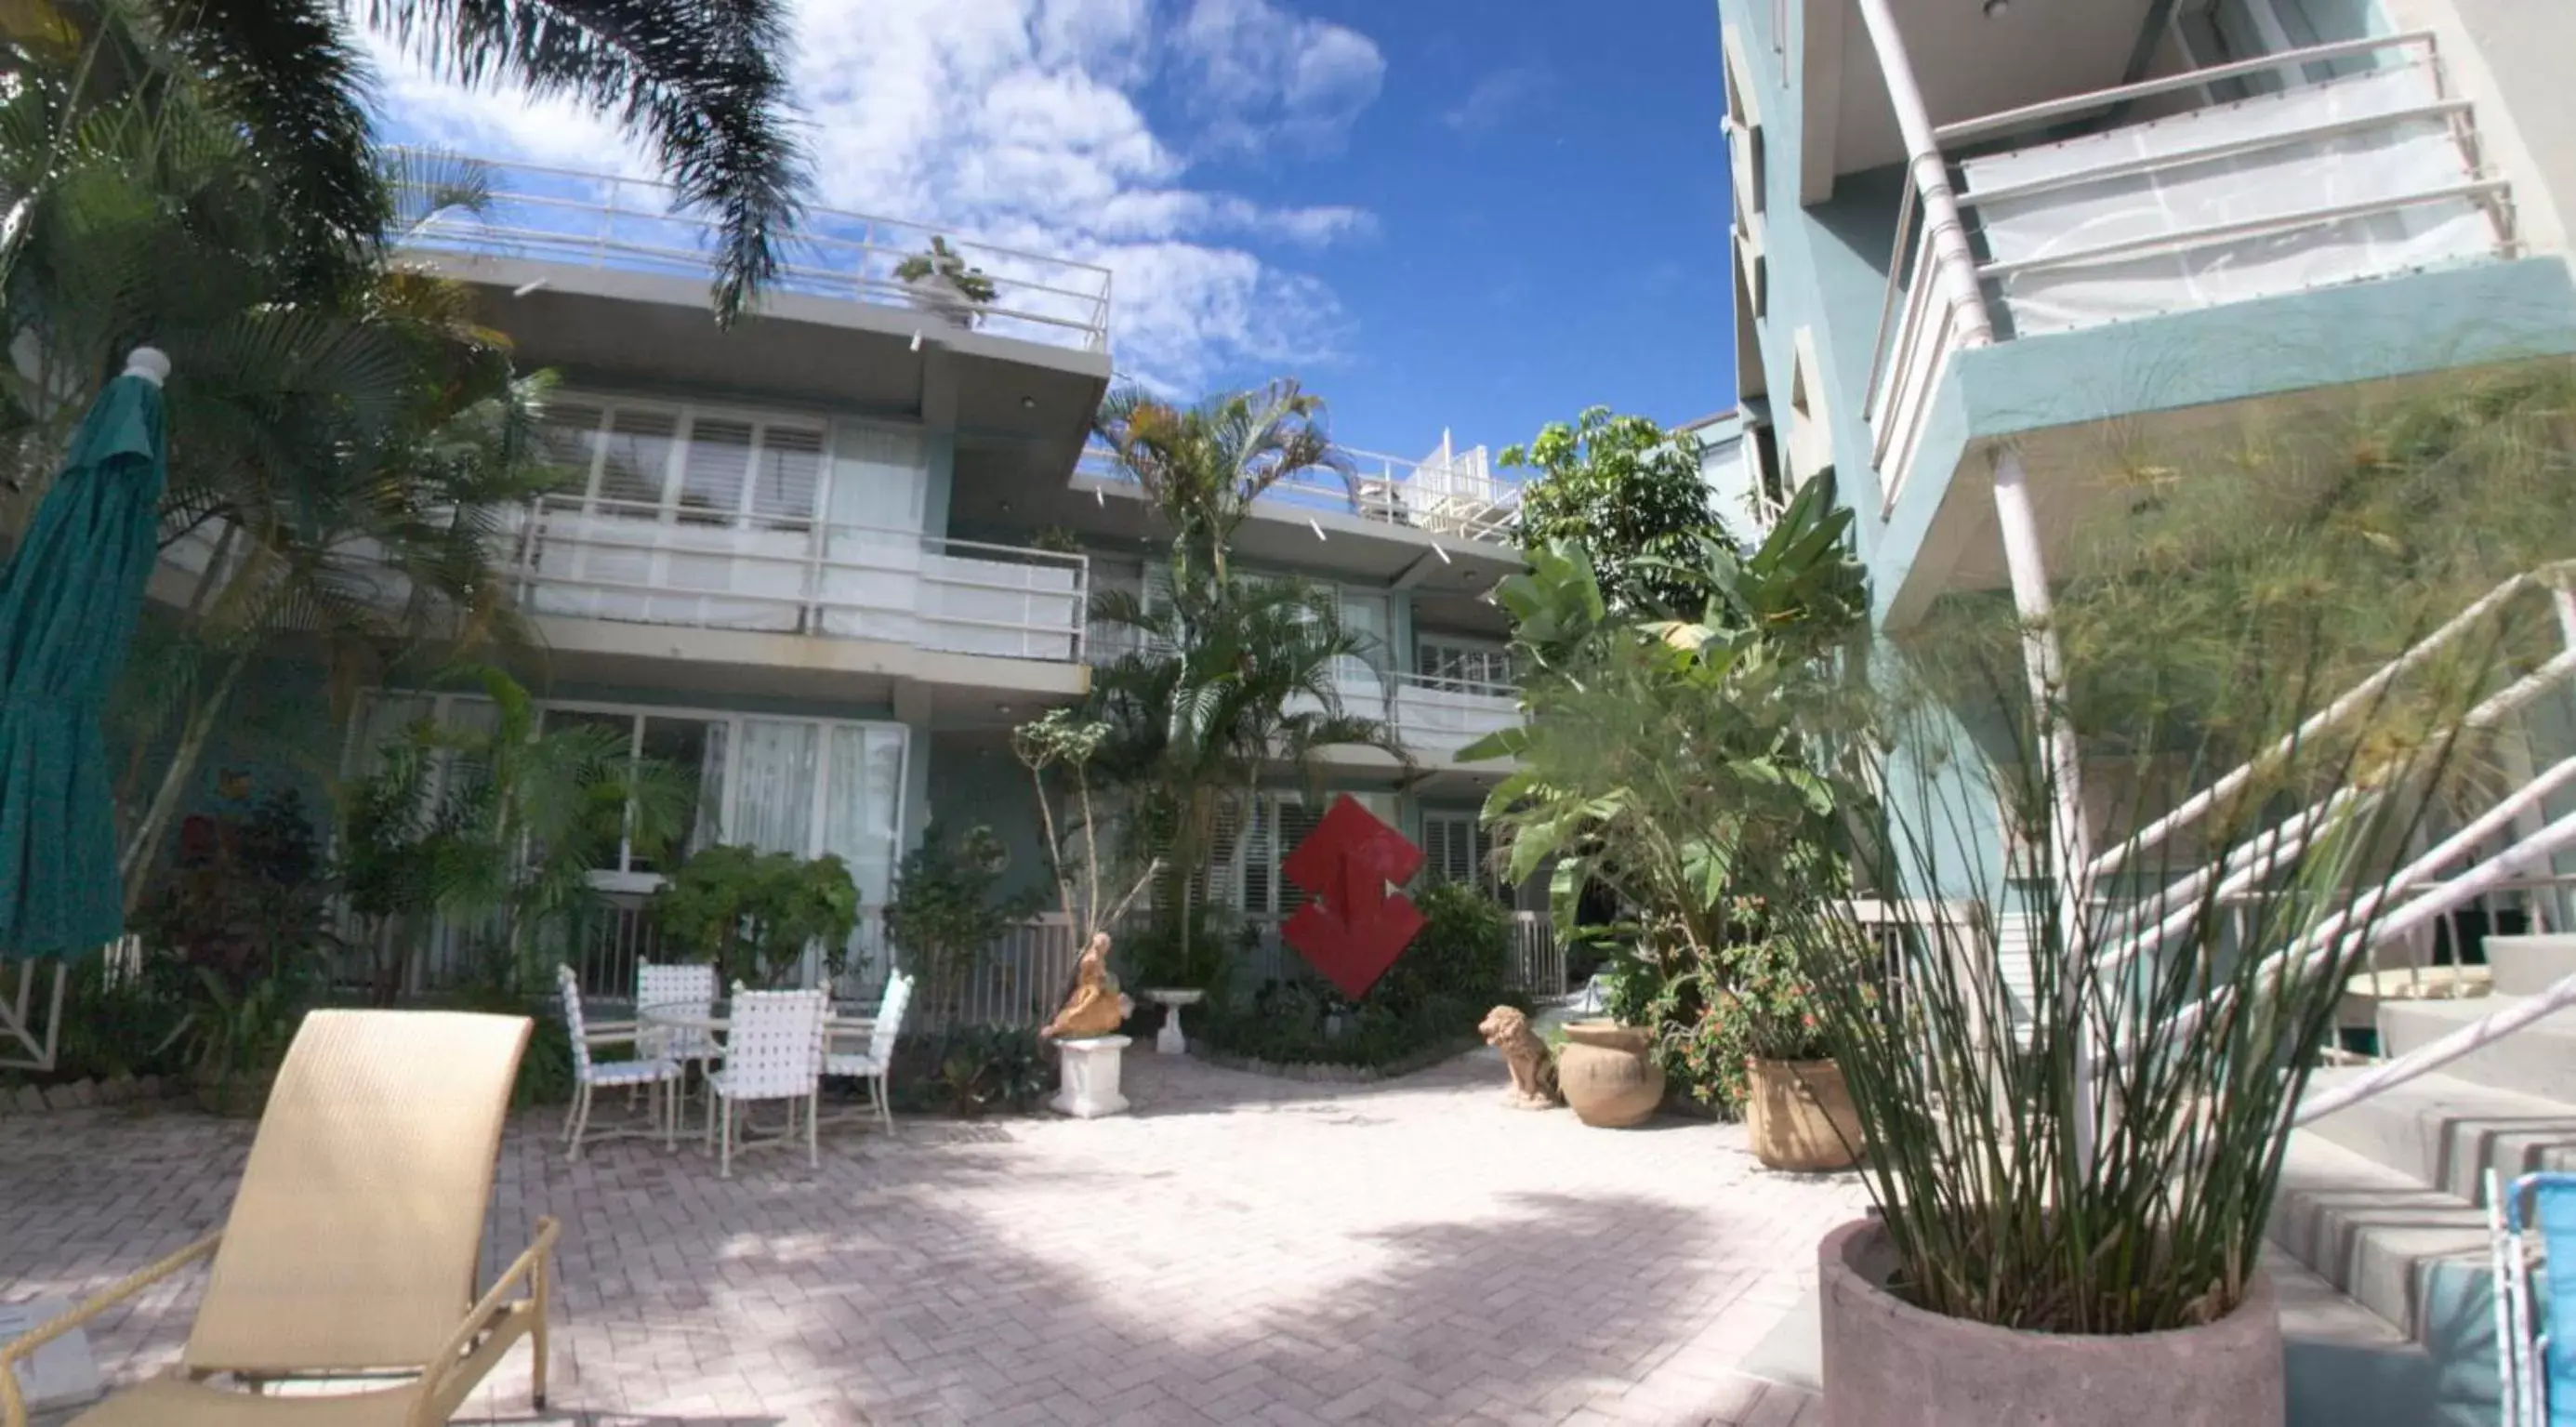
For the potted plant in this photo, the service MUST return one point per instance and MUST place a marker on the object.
(754, 914)
(1798, 1112)
(941, 281)
(2076, 1058)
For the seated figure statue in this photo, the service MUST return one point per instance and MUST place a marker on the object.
(1095, 1008)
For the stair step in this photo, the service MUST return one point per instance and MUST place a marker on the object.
(2446, 1133)
(2415, 1256)
(2539, 1059)
(2526, 965)
(2348, 1367)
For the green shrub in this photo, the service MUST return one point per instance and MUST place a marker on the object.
(1156, 958)
(1463, 953)
(753, 913)
(972, 1070)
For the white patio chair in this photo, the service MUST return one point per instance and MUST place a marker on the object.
(870, 1068)
(660, 1077)
(680, 984)
(773, 1050)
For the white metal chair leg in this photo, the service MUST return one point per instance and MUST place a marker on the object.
(724, 1133)
(580, 1122)
(813, 1113)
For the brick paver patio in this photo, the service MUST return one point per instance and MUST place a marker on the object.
(1240, 1250)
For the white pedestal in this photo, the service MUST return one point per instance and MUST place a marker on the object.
(1171, 1040)
(1090, 1077)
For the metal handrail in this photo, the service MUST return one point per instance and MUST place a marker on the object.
(605, 528)
(1050, 294)
(2434, 1054)
(2553, 575)
(1914, 339)
(2005, 121)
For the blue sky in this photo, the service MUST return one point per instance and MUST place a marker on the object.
(1473, 214)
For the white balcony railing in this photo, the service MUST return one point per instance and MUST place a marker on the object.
(2327, 179)
(629, 224)
(1448, 493)
(636, 563)
(644, 564)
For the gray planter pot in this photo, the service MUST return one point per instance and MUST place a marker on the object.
(1888, 1363)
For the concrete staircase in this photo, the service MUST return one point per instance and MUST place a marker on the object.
(2384, 1202)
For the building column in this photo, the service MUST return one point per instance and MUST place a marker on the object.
(1952, 265)
(2069, 840)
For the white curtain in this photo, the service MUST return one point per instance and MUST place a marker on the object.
(863, 807)
(774, 794)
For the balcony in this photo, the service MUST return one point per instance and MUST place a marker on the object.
(630, 225)
(645, 564)
(1450, 493)
(2308, 169)
(606, 562)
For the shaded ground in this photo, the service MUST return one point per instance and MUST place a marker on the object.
(1241, 1250)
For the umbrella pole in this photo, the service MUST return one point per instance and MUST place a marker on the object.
(14, 1018)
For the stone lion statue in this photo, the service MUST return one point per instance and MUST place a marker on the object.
(1533, 1069)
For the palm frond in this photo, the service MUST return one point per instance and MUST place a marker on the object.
(703, 83)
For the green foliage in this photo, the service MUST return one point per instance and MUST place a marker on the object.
(949, 266)
(2108, 1165)
(948, 910)
(117, 1022)
(247, 899)
(1463, 953)
(1429, 1001)
(985, 1068)
(1660, 757)
(498, 824)
(1202, 467)
(1182, 953)
(971, 1071)
(1229, 678)
(1628, 495)
(754, 913)
(1300, 1022)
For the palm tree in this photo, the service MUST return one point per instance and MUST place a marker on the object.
(1231, 684)
(1203, 466)
(502, 822)
(701, 83)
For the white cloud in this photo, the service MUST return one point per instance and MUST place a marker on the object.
(1494, 98)
(1257, 72)
(1024, 122)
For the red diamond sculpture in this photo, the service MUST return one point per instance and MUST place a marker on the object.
(1353, 927)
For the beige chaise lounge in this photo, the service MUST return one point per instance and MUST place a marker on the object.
(352, 1245)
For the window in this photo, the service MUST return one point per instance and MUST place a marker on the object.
(1465, 665)
(689, 465)
(1455, 848)
(799, 786)
(1242, 869)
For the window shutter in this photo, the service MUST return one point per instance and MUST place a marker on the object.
(638, 457)
(791, 472)
(714, 468)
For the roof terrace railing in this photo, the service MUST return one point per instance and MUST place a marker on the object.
(1448, 493)
(627, 224)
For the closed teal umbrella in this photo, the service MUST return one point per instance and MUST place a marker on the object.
(68, 604)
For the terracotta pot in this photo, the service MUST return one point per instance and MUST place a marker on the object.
(1607, 1072)
(1799, 1115)
(1888, 1363)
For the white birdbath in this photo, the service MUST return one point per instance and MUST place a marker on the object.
(1169, 1040)
(1089, 1087)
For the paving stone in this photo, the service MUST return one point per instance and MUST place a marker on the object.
(1242, 1248)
